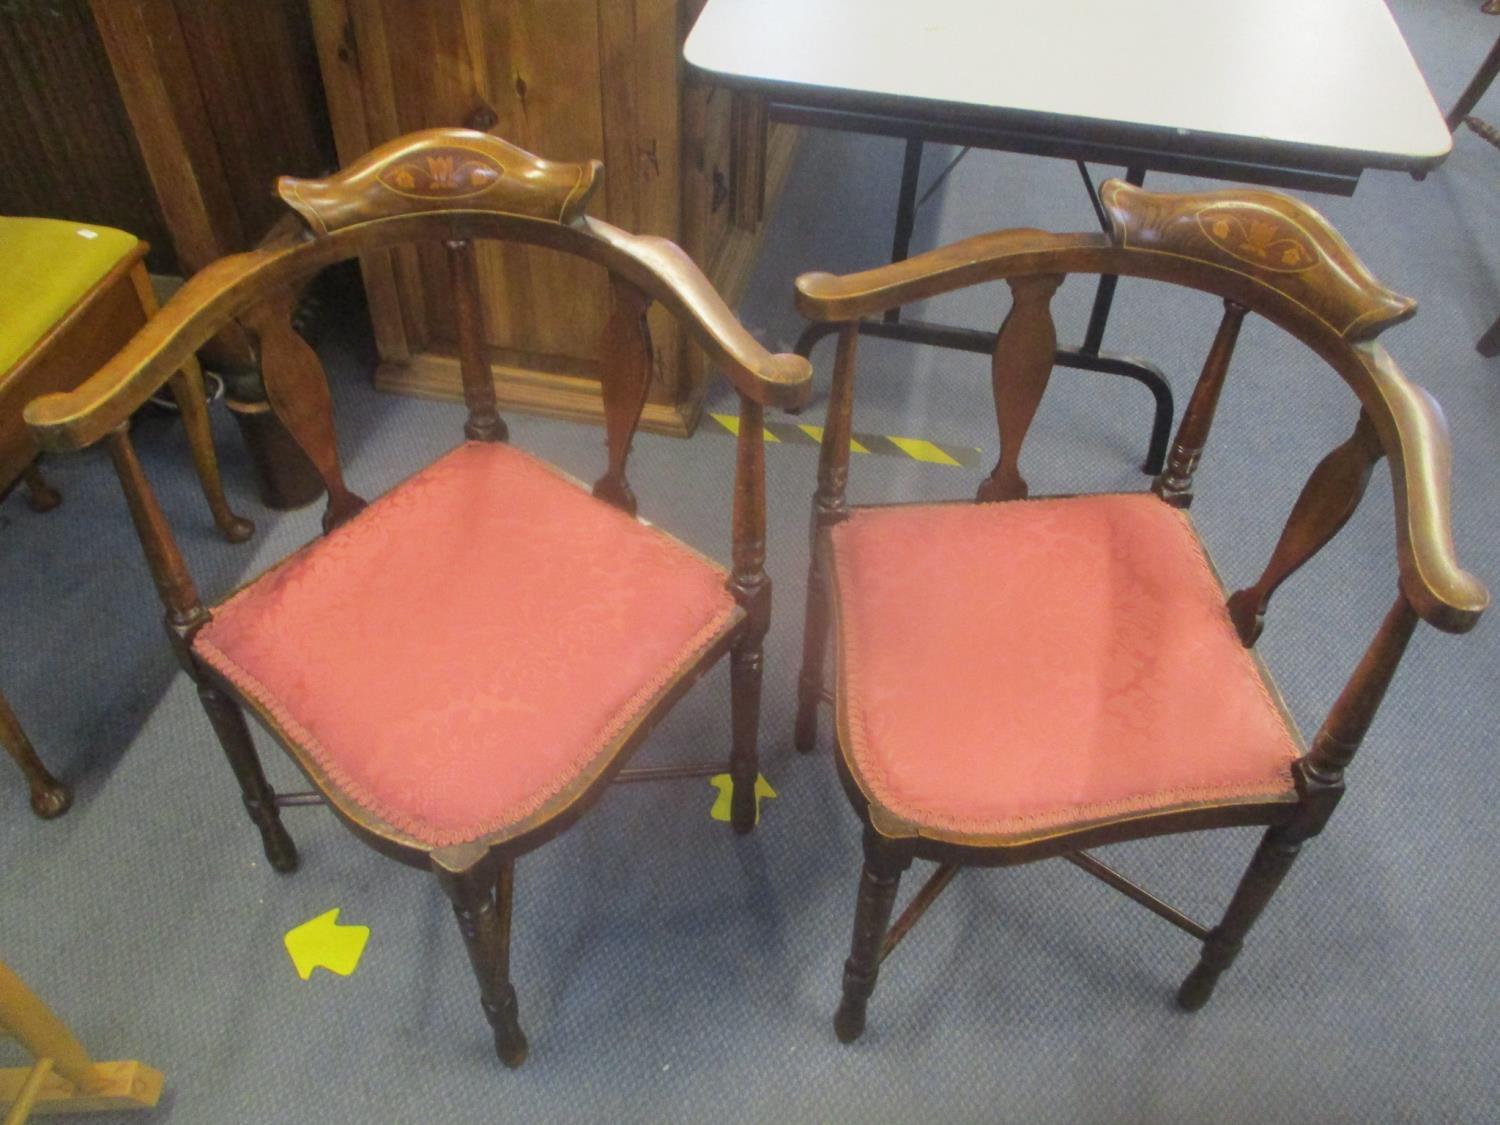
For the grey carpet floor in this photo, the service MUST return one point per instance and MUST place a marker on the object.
(668, 970)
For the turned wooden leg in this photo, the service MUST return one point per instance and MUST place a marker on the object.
(39, 494)
(260, 799)
(49, 797)
(745, 665)
(1278, 848)
(878, 883)
(814, 655)
(187, 389)
(483, 917)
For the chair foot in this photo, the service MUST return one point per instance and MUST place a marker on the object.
(187, 390)
(512, 1053)
(849, 1020)
(236, 529)
(742, 824)
(510, 1040)
(40, 496)
(280, 851)
(1198, 987)
(50, 798)
(255, 791)
(1273, 858)
(1489, 344)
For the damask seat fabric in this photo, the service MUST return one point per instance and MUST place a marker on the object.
(468, 645)
(1014, 669)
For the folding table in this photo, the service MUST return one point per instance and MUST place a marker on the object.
(1287, 93)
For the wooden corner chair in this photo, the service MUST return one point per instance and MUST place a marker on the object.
(1025, 678)
(462, 666)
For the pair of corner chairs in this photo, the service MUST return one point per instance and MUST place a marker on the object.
(464, 665)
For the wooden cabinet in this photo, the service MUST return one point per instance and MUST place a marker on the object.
(568, 80)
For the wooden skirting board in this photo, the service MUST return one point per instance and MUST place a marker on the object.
(575, 395)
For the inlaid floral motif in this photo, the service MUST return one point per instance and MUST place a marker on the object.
(1259, 237)
(442, 174)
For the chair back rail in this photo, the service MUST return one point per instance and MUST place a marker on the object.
(448, 186)
(1260, 251)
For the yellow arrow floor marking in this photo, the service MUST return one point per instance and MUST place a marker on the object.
(323, 943)
(920, 450)
(816, 433)
(725, 786)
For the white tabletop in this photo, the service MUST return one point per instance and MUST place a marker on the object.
(1333, 74)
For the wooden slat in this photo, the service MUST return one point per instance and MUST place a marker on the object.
(1021, 368)
(1327, 501)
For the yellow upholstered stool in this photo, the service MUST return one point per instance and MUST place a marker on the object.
(71, 295)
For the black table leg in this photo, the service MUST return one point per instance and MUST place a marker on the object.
(906, 210)
(981, 342)
(1104, 296)
(1086, 358)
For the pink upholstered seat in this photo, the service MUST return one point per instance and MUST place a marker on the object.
(1013, 669)
(468, 645)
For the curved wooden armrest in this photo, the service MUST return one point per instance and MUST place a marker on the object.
(1209, 239)
(1442, 592)
(78, 418)
(443, 171)
(970, 261)
(781, 379)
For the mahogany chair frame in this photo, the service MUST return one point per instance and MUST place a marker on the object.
(452, 187)
(1259, 251)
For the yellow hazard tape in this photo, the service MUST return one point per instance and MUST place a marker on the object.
(816, 433)
(731, 422)
(916, 449)
(919, 450)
